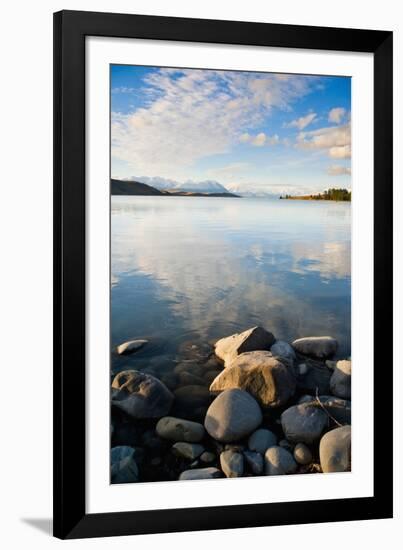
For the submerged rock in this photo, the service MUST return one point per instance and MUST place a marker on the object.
(279, 461)
(335, 450)
(256, 338)
(187, 450)
(178, 429)
(123, 465)
(232, 463)
(130, 346)
(260, 374)
(320, 347)
(340, 382)
(304, 423)
(200, 473)
(233, 415)
(141, 395)
(261, 440)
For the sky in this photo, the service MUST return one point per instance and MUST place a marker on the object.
(258, 132)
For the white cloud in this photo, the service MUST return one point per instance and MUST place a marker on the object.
(191, 114)
(336, 139)
(337, 114)
(260, 139)
(301, 122)
(337, 170)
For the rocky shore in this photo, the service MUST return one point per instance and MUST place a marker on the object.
(250, 405)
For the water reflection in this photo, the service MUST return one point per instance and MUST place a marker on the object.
(204, 268)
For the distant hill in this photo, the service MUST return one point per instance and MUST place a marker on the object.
(119, 187)
(129, 187)
(328, 195)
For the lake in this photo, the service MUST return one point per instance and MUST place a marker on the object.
(195, 269)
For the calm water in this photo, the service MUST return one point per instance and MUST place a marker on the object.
(197, 269)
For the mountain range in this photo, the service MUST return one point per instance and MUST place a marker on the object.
(132, 187)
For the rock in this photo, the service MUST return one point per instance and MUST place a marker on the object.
(234, 447)
(187, 450)
(188, 379)
(198, 351)
(284, 350)
(151, 441)
(124, 433)
(260, 374)
(254, 461)
(335, 450)
(233, 415)
(278, 461)
(256, 338)
(141, 395)
(339, 409)
(170, 380)
(303, 423)
(340, 382)
(178, 429)
(330, 364)
(156, 461)
(210, 375)
(232, 463)
(313, 378)
(287, 445)
(189, 367)
(131, 346)
(320, 347)
(200, 473)
(191, 402)
(302, 454)
(261, 440)
(123, 465)
(305, 399)
(207, 457)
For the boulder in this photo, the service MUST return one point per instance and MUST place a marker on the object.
(200, 473)
(340, 382)
(254, 462)
(284, 350)
(279, 461)
(232, 463)
(141, 395)
(123, 465)
(256, 338)
(302, 454)
(130, 346)
(207, 457)
(257, 372)
(313, 377)
(233, 415)
(189, 451)
(339, 409)
(335, 450)
(304, 423)
(319, 347)
(178, 429)
(261, 440)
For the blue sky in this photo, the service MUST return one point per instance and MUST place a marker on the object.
(263, 132)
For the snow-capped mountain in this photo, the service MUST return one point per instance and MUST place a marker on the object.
(207, 186)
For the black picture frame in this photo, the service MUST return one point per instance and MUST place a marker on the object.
(70, 30)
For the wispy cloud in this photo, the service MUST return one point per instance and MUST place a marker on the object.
(301, 122)
(259, 139)
(192, 114)
(335, 139)
(337, 115)
(336, 170)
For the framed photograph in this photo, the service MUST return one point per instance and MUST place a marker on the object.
(223, 274)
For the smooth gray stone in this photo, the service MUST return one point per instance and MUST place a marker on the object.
(178, 429)
(320, 347)
(207, 457)
(256, 338)
(279, 461)
(130, 346)
(141, 395)
(233, 415)
(261, 440)
(287, 445)
(232, 463)
(269, 380)
(340, 382)
(284, 350)
(123, 465)
(302, 454)
(254, 461)
(201, 473)
(335, 450)
(304, 423)
(187, 450)
(339, 409)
